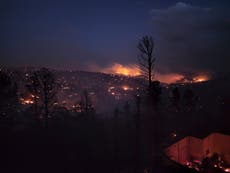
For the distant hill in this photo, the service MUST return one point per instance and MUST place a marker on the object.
(115, 90)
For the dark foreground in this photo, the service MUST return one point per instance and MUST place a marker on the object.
(53, 150)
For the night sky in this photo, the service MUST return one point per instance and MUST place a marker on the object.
(190, 35)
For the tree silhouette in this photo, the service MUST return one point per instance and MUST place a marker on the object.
(175, 98)
(116, 140)
(190, 99)
(137, 134)
(86, 105)
(8, 94)
(33, 86)
(43, 83)
(127, 108)
(146, 59)
(155, 92)
(146, 65)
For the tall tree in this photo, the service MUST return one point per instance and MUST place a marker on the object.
(138, 134)
(155, 92)
(146, 58)
(86, 104)
(8, 94)
(116, 140)
(190, 99)
(175, 99)
(45, 84)
(33, 86)
(146, 64)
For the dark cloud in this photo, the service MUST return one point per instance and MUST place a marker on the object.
(189, 35)
(192, 38)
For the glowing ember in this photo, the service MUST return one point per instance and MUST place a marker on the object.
(26, 101)
(201, 78)
(126, 88)
(227, 170)
(174, 135)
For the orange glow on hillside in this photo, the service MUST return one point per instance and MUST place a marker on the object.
(201, 78)
(169, 78)
(180, 78)
(128, 70)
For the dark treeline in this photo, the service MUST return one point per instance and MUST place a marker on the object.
(47, 137)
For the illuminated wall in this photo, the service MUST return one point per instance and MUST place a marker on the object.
(191, 149)
(186, 150)
(217, 143)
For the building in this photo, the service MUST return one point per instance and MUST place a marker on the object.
(186, 150)
(193, 150)
(217, 143)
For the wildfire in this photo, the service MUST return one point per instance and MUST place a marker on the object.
(26, 101)
(180, 78)
(126, 88)
(133, 70)
(169, 78)
(200, 78)
(128, 70)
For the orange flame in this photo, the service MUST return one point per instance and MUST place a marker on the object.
(200, 78)
(116, 68)
(169, 78)
(133, 70)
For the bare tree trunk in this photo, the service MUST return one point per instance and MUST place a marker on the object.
(116, 143)
(150, 79)
(46, 114)
(46, 107)
(137, 137)
(36, 103)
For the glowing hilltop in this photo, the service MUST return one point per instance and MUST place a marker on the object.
(132, 70)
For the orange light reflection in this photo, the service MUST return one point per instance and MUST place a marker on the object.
(116, 68)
